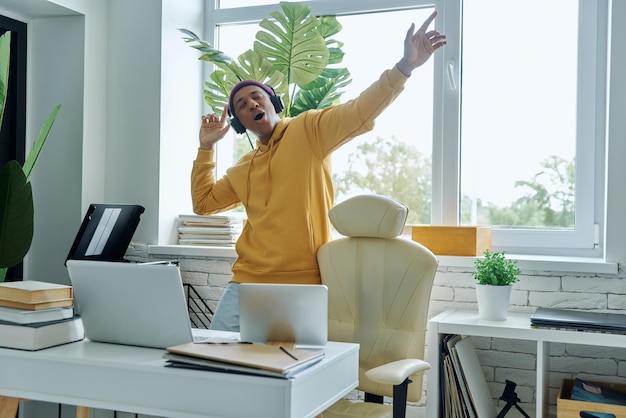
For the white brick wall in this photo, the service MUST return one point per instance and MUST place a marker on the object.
(501, 359)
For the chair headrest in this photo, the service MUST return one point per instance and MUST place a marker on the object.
(369, 216)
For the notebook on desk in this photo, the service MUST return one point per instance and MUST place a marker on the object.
(131, 303)
(579, 320)
(284, 313)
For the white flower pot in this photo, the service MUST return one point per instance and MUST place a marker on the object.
(493, 301)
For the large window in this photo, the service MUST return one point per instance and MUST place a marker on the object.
(531, 115)
(504, 127)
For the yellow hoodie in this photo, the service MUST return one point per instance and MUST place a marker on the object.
(285, 186)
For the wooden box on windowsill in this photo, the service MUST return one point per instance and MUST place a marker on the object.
(453, 240)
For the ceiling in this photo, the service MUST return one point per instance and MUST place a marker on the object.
(33, 9)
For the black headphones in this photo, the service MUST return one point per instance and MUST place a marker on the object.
(274, 98)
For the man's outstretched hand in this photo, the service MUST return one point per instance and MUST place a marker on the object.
(420, 45)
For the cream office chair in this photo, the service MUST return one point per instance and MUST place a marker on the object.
(378, 294)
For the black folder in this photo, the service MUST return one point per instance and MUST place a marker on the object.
(106, 232)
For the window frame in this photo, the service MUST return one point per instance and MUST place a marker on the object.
(587, 237)
(584, 239)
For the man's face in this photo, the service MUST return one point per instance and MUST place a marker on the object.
(255, 111)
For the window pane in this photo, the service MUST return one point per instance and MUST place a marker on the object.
(395, 158)
(518, 130)
(234, 40)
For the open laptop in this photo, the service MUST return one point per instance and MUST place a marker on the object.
(131, 303)
(284, 313)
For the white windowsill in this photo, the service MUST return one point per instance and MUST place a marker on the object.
(526, 262)
(192, 251)
(543, 263)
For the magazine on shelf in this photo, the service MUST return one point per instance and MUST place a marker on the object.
(587, 391)
(222, 219)
(466, 393)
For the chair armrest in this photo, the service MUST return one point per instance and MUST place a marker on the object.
(396, 372)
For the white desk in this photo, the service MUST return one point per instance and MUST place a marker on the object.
(516, 327)
(135, 380)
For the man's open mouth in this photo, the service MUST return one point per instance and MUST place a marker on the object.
(259, 116)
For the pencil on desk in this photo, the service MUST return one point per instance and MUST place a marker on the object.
(284, 350)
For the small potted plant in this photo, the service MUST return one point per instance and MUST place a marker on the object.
(495, 275)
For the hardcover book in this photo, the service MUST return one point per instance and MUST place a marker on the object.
(36, 306)
(41, 335)
(25, 316)
(31, 291)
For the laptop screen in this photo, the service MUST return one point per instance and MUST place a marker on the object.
(284, 313)
(130, 303)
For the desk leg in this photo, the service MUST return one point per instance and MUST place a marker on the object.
(8, 406)
(82, 412)
(543, 370)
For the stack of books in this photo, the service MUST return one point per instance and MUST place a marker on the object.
(217, 230)
(36, 315)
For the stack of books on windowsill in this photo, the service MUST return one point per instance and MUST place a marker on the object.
(36, 315)
(217, 230)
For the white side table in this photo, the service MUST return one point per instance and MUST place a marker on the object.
(516, 327)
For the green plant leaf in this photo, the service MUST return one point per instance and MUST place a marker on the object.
(16, 214)
(5, 61)
(291, 53)
(292, 43)
(255, 67)
(16, 195)
(210, 54)
(495, 269)
(322, 92)
(31, 159)
(329, 26)
(216, 91)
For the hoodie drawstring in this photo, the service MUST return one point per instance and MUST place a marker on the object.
(268, 176)
(248, 187)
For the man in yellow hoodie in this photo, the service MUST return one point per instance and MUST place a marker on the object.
(285, 183)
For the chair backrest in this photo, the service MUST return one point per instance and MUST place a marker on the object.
(378, 286)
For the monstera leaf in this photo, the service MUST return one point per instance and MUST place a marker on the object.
(16, 196)
(322, 92)
(292, 53)
(293, 44)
